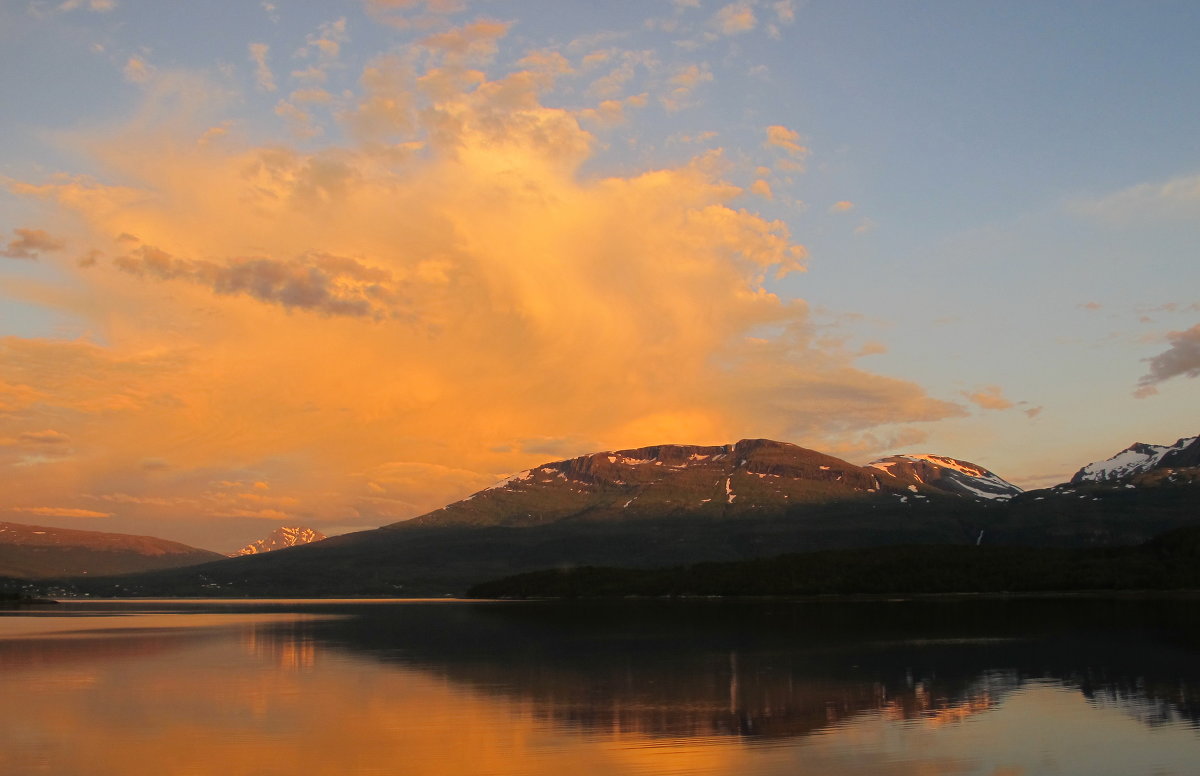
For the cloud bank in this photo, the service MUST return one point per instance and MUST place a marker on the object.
(377, 325)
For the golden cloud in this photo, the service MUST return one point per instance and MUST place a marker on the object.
(735, 18)
(381, 326)
(989, 397)
(779, 136)
(61, 512)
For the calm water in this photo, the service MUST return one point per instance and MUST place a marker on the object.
(989, 688)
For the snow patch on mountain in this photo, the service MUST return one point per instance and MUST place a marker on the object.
(509, 480)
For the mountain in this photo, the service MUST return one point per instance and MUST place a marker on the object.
(38, 552)
(671, 505)
(281, 538)
(751, 477)
(1139, 459)
(951, 475)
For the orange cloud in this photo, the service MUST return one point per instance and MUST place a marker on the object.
(97, 6)
(683, 84)
(262, 71)
(735, 18)
(379, 327)
(400, 13)
(327, 41)
(29, 244)
(787, 139)
(989, 397)
(474, 43)
(137, 70)
(60, 512)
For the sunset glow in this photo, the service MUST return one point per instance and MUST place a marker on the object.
(261, 266)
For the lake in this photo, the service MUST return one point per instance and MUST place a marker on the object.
(903, 688)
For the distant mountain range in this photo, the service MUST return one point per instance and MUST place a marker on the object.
(38, 552)
(43, 552)
(281, 538)
(677, 504)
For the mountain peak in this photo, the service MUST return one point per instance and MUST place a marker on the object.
(281, 538)
(962, 478)
(1139, 458)
(749, 477)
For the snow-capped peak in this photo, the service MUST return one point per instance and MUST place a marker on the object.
(1135, 459)
(947, 474)
(280, 538)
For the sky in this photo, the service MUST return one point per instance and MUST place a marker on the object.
(341, 263)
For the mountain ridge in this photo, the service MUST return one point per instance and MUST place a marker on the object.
(1140, 458)
(708, 480)
(668, 505)
(34, 551)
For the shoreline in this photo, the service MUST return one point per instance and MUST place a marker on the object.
(1132, 594)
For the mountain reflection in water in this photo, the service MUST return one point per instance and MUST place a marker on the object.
(986, 687)
(790, 668)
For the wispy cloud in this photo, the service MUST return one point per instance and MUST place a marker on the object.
(263, 76)
(137, 70)
(1180, 359)
(1178, 198)
(989, 397)
(683, 84)
(95, 6)
(735, 18)
(419, 14)
(787, 140)
(61, 512)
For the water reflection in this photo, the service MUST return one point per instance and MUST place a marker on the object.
(788, 669)
(991, 688)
